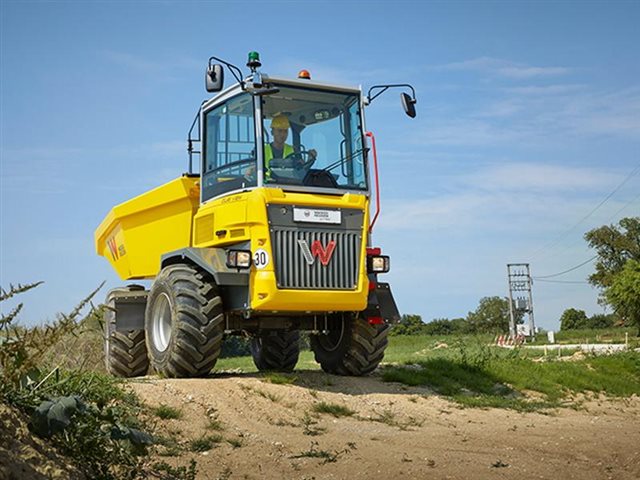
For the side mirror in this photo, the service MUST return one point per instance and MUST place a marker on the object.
(409, 105)
(214, 78)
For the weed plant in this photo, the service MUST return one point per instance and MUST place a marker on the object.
(166, 412)
(205, 443)
(87, 415)
(334, 409)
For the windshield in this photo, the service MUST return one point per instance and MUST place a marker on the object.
(313, 138)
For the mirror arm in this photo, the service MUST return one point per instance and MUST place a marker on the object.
(235, 71)
(384, 88)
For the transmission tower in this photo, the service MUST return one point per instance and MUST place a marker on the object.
(520, 298)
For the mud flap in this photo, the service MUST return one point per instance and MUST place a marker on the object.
(381, 304)
(128, 305)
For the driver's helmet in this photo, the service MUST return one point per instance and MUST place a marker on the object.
(280, 121)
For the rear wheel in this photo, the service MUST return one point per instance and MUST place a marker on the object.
(184, 322)
(125, 352)
(276, 350)
(352, 346)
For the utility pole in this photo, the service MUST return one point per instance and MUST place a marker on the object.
(520, 296)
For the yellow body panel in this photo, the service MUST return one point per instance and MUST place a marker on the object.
(243, 217)
(134, 235)
(163, 220)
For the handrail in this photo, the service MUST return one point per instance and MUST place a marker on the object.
(375, 169)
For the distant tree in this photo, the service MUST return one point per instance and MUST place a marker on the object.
(410, 324)
(623, 294)
(491, 316)
(614, 245)
(573, 319)
(444, 326)
(460, 325)
(601, 320)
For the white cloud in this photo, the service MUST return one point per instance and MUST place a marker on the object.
(561, 89)
(533, 115)
(503, 68)
(523, 177)
(153, 65)
(524, 197)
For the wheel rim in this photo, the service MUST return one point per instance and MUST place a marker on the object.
(161, 331)
(332, 340)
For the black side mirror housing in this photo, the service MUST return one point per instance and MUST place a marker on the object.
(214, 78)
(409, 104)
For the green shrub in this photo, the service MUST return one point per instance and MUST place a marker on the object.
(86, 415)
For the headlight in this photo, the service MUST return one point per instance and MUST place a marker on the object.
(238, 259)
(378, 264)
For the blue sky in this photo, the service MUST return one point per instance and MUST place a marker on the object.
(528, 117)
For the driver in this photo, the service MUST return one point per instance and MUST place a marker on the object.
(278, 148)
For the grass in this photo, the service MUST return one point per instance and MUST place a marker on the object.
(470, 372)
(170, 446)
(204, 443)
(334, 409)
(234, 442)
(326, 456)
(495, 379)
(598, 335)
(279, 378)
(165, 412)
(215, 424)
(309, 426)
(264, 394)
(245, 364)
(388, 417)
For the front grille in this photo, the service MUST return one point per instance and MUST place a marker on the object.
(292, 262)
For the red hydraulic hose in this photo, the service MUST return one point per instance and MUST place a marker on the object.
(375, 169)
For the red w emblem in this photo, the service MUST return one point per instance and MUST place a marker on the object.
(111, 243)
(317, 250)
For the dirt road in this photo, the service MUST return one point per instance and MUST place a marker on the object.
(273, 431)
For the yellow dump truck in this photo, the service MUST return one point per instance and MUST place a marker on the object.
(271, 237)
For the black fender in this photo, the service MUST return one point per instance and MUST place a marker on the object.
(212, 260)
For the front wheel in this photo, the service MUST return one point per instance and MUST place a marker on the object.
(351, 347)
(184, 322)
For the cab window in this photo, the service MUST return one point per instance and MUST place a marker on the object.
(229, 148)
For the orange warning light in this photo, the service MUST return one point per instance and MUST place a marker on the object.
(304, 74)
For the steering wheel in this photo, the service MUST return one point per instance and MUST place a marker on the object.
(301, 160)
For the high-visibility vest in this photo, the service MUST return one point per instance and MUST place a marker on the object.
(268, 155)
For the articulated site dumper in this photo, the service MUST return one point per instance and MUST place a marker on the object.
(272, 237)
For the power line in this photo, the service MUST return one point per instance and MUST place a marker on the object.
(615, 215)
(563, 281)
(554, 242)
(566, 271)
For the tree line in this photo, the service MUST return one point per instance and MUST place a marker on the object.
(617, 276)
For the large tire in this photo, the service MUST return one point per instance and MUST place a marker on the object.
(276, 350)
(184, 321)
(125, 353)
(352, 346)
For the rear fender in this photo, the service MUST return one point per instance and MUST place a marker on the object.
(127, 306)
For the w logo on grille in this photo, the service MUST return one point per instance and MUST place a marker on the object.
(317, 250)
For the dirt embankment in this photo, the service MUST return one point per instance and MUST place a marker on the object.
(260, 430)
(25, 456)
